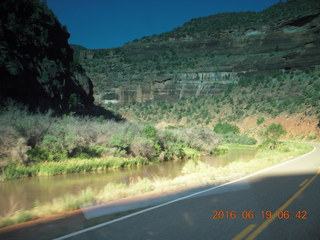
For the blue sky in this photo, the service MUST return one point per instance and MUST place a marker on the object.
(98, 24)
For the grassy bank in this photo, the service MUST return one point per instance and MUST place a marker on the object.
(239, 146)
(43, 144)
(194, 173)
(77, 165)
(14, 171)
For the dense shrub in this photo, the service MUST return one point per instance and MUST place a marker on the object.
(151, 133)
(87, 152)
(13, 143)
(202, 139)
(274, 131)
(142, 147)
(225, 128)
(13, 148)
(121, 141)
(24, 138)
(174, 151)
(272, 135)
(39, 154)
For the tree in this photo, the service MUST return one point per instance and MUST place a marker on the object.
(273, 133)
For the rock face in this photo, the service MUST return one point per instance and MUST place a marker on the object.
(207, 54)
(36, 62)
(171, 87)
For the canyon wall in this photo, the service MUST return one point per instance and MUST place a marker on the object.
(198, 59)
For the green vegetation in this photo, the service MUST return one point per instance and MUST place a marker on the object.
(36, 61)
(282, 11)
(234, 145)
(41, 144)
(238, 139)
(194, 173)
(220, 150)
(267, 96)
(47, 144)
(272, 134)
(74, 165)
(191, 48)
(260, 120)
(230, 134)
(226, 128)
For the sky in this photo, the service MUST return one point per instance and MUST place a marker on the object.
(97, 24)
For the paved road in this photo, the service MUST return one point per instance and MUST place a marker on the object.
(290, 191)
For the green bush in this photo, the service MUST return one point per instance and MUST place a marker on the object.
(274, 131)
(61, 141)
(272, 135)
(151, 133)
(121, 142)
(87, 152)
(202, 139)
(39, 154)
(312, 137)
(166, 138)
(260, 120)
(174, 151)
(225, 128)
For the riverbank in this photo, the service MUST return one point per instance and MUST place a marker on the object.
(194, 173)
(74, 165)
(42, 144)
(78, 165)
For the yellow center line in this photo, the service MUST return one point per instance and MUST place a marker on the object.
(244, 232)
(304, 182)
(284, 206)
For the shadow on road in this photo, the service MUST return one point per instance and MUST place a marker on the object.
(191, 215)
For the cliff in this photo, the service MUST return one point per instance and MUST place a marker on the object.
(36, 62)
(207, 54)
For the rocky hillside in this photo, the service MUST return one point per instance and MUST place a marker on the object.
(291, 99)
(36, 62)
(206, 55)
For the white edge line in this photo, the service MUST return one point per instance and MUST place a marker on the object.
(179, 199)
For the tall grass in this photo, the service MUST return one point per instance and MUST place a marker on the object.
(76, 165)
(194, 173)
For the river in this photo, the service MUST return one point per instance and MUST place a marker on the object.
(22, 194)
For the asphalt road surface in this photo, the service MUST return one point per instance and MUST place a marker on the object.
(282, 202)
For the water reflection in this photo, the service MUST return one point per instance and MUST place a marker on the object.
(22, 194)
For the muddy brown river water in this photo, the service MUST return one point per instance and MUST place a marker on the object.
(23, 194)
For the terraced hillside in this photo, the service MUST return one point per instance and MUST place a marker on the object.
(206, 55)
